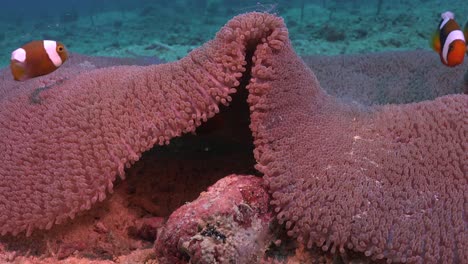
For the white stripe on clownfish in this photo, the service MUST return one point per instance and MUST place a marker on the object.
(50, 47)
(452, 36)
(19, 55)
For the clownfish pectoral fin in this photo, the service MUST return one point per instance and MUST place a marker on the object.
(18, 71)
(435, 41)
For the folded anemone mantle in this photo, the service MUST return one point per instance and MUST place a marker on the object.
(389, 181)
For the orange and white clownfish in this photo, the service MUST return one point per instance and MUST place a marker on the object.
(449, 41)
(36, 58)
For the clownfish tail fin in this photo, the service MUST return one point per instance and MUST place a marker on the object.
(434, 42)
(18, 71)
(447, 15)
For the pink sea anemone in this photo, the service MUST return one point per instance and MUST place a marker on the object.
(386, 181)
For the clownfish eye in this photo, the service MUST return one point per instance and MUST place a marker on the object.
(450, 47)
(60, 48)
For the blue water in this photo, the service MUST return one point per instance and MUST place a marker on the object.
(170, 29)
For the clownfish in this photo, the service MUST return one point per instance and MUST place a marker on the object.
(449, 41)
(36, 58)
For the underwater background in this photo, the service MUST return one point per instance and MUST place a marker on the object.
(168, 30)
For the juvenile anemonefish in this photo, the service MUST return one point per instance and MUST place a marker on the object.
(449, 41)
(39, 57)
